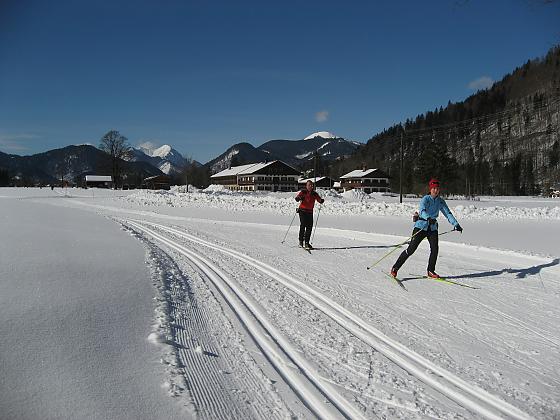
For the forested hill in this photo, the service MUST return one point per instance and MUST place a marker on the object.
(503, 140)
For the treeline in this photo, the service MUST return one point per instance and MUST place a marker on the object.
(503, 140)
(4, 178)
(192, 174)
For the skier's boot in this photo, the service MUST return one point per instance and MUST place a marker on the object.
(308, 246)
(433, 275)
(301, 244)
(394, 272)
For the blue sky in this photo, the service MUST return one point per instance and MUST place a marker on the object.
(203, 75)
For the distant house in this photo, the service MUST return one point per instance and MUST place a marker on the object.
(320, 182)
(366, 180)
(158, 182)
(267, 176)
(336, 186)
(99, 181)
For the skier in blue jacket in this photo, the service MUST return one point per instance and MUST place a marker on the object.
(427, 227)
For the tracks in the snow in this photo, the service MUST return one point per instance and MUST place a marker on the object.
(283, 355)
(278, 351)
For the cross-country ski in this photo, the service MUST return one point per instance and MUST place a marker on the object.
(395, 279)
(442, 280)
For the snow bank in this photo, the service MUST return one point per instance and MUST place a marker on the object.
(347, 203)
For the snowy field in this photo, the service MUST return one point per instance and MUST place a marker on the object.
(161, 305)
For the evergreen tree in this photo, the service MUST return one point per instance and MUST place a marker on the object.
(554, 155)
(4, 178)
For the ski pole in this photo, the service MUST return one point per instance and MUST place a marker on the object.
(316, 221)
(393, 250)
(291, 223)
(449, 231)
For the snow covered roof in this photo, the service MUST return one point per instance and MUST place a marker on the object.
(256, 167)
(242, 169)
(99, 178)
(303, 181)
(358, 173)
(234, 170)
(158, 177)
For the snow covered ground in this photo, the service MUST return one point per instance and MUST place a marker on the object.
(181, 305)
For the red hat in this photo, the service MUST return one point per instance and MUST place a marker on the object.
(433, 183)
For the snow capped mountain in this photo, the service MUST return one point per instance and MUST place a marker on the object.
(238, 154)
(323, 134)
(293, 152)
(171, 155)
(165, 158)
(70, 163)
(162, 151)
(296, 152)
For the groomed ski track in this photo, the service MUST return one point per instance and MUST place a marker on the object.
(278, 351)
(305, 381)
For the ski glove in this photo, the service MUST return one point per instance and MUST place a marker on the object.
(432, 221)
(322, 200)
(299, 198)
(458, 228)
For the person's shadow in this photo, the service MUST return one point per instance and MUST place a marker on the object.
(354, 247)
(521, 273)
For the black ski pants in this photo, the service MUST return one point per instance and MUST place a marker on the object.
(305, 226)
(419, 237)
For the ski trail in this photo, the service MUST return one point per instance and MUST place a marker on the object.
(201, 373)
(278, 351)
(467, 395)
(519, 323)
(492, 345)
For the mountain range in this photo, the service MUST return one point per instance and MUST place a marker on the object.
(504, 140)
(297, 153)
(501, 140)
(165, 158)
(71, 163)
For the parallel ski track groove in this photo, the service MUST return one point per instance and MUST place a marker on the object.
(203, 393)
(480, 401)
(275, 356)
(519, 323)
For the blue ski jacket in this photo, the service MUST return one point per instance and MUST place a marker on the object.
(429, 209)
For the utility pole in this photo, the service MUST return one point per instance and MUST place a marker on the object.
(315, 168)
(401, 169)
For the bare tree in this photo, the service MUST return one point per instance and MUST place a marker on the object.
(63, 168)
(116, 146)
(195, 174)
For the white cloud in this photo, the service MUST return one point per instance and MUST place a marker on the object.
(322, 116)
(483, 82)
(15, 143)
